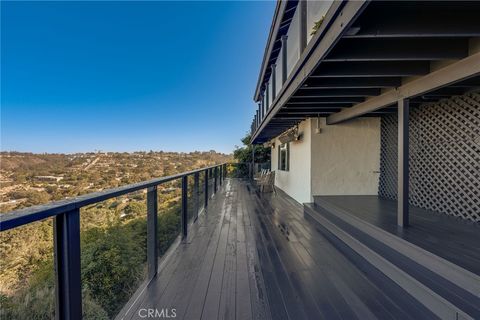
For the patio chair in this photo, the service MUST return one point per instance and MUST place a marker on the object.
(267, 183)
(260, 175)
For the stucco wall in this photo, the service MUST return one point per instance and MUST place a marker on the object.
(346, 157)
(296, 181)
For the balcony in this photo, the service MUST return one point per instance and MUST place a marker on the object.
(243, 254)
(345, 59)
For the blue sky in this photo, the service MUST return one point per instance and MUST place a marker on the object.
(122, 76)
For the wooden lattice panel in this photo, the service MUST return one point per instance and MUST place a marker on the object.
(444, 156)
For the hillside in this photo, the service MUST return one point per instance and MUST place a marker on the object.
(113, 232)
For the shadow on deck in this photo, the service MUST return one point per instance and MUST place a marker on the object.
(254, 256)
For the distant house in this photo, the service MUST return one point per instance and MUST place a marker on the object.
(48, 178)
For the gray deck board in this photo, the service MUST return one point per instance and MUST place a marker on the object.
(255, 256)
(448, 237)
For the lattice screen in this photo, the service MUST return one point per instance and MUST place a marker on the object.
(444, 156)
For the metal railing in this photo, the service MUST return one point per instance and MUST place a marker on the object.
(66, 215)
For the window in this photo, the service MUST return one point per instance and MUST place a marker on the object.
(284, 156)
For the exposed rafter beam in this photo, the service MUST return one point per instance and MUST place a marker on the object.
(303, 92)
(314, 106)
(455, 72)
(329, 33)
(399, 49)
(372, 69)
(325, 100)
(362, 82)
(308, 110)
(425, 19)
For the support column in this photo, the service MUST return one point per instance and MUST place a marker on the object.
(403, 170)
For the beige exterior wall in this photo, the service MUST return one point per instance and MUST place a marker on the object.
(296, 181)
(346, 157)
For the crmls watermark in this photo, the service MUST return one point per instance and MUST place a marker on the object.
(164, 313)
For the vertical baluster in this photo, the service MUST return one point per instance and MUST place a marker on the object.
(152, 252)
(67, 265)
(184, 206)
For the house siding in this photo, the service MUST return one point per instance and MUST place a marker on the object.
(346, 157)
(296, 181)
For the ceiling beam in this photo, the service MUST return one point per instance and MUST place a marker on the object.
(369, 92)
(425, 19)
(361, 82)
(403, 49)
(455, 72)
(328, 100)
(308, 110)
(315, 106)
(371, 69)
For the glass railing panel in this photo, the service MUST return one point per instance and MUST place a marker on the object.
(278, 73)
(293, 42)
(211, 182)
(202, 191)
(238, 170)
(169, 214)
(27, 278)
(316, 11)
(191, 199)
(113, 242)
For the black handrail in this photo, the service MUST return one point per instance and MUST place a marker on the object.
(66, 215)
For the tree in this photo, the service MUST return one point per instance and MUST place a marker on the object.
(244, 154)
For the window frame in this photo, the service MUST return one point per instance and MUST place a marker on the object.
(284, 151)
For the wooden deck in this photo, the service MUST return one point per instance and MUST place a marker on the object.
(254, 256)
(448, 237)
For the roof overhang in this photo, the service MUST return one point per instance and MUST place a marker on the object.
(369, 55)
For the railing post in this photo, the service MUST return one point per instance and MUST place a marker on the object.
(196, 192)
(225, 169)
(152, 252)
(184, 206)
(220, 168)
(215, 178)
(67, 265)
(206, 188)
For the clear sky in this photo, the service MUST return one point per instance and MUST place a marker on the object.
(123, 76)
